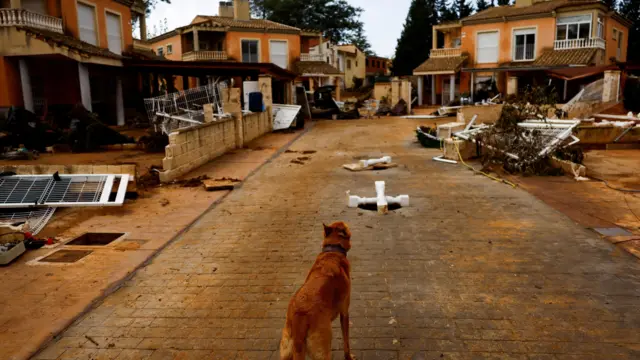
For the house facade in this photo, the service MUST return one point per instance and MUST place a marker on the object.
(355, 65)
(516, 45)
(58, 53)
(233, 35)
(376, 66)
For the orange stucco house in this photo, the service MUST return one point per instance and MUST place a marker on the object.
(516, 45)
(65, 52)
(233, 35)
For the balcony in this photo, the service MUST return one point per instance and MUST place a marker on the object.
(22, 17)
(205, 56)
(579, 44)
(446, 52)
(312, 57)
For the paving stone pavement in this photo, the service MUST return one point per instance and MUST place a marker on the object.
(473, 269)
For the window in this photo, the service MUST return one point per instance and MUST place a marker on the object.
(327, 45)
(169, 49)
(114, 33)
(328, 60)
(457, 42)
(619, 50)
(573, 27)
(487, 43)
(87, 23)
(525, 44)
(348, 64)
(615, 34)
(279, 53)
(250, 51)
(160, 51)
(600, 27)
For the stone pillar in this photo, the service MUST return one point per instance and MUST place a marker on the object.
(395, 91)
(25, 81)
(452, 87)
(231, 105)
(420, 89)
(196, 41)
(435, 39)
(119, 102)
(338, 89)
(512, 85)
(433, 90)
(471, 86)
(85, 86)
(265, 86)
(143, 27)
(611, 88)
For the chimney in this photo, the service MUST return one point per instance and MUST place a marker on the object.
(225, 9)
(241, 10)
(523, 3)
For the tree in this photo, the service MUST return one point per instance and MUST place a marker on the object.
(504, 2)
(359, 39)
(416, 38)
(612, 4)
(336, 19)
(150, 5)
(463, 8)
(445, 11)
(631, 10)
(482, 5)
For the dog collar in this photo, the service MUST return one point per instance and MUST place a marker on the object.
(334, 248)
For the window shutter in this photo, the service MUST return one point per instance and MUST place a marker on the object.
(87, 24)
(279, 53)
(487, 51)
(114, 33)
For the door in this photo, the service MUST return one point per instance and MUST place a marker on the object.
(279, 53)
(114, 33)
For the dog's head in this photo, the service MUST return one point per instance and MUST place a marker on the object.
(337, 233)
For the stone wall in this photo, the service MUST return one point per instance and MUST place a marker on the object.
(381, 90)
(193, 147)
(255, 125)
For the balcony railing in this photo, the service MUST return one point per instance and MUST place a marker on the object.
(579, 44)
(446, 52)
(312, 57)
(204, 55)
(22, 17)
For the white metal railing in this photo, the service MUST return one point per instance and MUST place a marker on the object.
(446, 52)
(312, 57)
(579, 44)
(204, 55)
(22, 17)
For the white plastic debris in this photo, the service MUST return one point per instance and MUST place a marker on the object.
(370, 162)
(381, 200)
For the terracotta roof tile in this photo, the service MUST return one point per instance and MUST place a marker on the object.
(439, 64)
(258, 24)
(70, 42)
(566, 57)
(314, 67)
(542, 7)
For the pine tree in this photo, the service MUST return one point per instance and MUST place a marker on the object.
(445, 11)
(612, 4)
(482, 5)
(631, 10)
(463, 8)
(504, 2)
(416, 38)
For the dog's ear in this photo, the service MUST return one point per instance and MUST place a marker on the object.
(327, 230)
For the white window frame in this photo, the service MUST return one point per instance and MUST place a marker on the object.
(114, 13)
(601, 28)
(567, 23)
(286, 54)
(523, 31)
(497, 47)
(95, 20)
(259, 48)
(169, 49)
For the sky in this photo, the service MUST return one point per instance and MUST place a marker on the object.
(383, 19)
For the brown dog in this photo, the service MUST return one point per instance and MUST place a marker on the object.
(325, 294)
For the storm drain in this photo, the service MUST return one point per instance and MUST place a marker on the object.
(95, 239)
(66, 256)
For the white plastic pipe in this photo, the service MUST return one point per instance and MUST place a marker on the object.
(383, 206)
(355, 201)
(370, 162)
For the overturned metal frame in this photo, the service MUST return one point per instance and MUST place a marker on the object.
(37, 219)
(27, 191)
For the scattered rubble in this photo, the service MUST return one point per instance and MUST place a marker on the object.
(220, 184)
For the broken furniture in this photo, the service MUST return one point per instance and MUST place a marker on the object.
(284, 115)
(325, 107)
(381, 200)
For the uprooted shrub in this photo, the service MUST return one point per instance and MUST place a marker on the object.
(519, 149)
